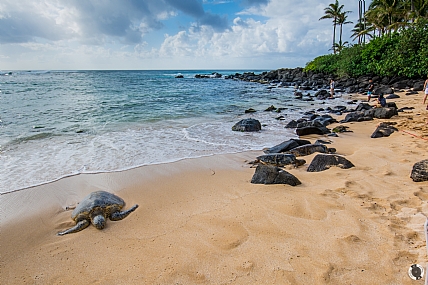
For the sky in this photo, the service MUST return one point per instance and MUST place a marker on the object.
(165, 34)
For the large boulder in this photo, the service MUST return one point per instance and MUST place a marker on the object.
(309, 149)
(391, 105)
(323, 121)
(418, 86)
(351, 89)
(281, 159)
(286, 146)
(311, 130)
(384, 113)
(363, 107)
(383, 130)
(420, 171)
(247, 125)
(400, 85)
(322, 94)
(353, 117)
(323, 162)
(269, 174)
(363, 114)
(383, 90)
(291, 125)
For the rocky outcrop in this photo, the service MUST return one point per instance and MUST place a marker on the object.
(212, 75)
(365, 112)
(310, 149)
(280, 159)
(383, 130)
(269, 174)
(419, 86)
(247, 125)
(323, 162)
(286, 146)
(384, 113)
(322, 94)
(312, 131)
(316, 81)
(357, 116)
(420, 171)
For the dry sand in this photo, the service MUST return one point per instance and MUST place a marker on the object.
(201, 221)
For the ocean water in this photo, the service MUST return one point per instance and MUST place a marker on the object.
(59, 123)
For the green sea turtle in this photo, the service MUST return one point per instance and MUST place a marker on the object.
(96, 208)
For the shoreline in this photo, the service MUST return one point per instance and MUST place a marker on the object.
(201, 221)
(106, 172)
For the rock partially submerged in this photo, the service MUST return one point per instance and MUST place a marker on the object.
(247, 125)
(420, 171)
(269, 174)
(323, 162)
(309, 80)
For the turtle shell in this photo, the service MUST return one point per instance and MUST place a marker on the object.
(98, 199)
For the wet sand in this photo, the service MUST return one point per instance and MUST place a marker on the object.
(201, 221)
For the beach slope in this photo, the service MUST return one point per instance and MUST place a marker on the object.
(201, 221)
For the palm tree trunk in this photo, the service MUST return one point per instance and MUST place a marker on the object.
(334, 35)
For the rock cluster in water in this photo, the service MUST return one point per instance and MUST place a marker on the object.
(314, 81)
(247, 125)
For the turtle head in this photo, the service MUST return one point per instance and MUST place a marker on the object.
(99, 222)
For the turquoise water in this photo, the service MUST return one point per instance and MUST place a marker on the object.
(59, 123)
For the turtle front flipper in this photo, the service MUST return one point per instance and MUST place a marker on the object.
(116, 216)
(83, 224)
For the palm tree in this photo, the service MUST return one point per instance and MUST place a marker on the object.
(390, 12)
(341, 20)
(418, 9)
(377, 21)
(332, 12)
(384, 16)
(340, 46)
(360, 30)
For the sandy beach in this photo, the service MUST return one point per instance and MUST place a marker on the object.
(201, 221)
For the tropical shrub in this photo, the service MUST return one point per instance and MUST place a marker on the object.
(403, 53)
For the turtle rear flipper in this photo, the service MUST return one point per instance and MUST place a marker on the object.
(77, 228)
(116, 216)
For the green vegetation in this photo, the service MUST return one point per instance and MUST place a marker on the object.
(398, 34)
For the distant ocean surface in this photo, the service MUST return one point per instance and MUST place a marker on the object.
(60, 123)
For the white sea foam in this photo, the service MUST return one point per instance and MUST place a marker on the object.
(90, 128)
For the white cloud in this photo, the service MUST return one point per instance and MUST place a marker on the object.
(287, 34)
(291, 29)
(117, 34)
(178, 45)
